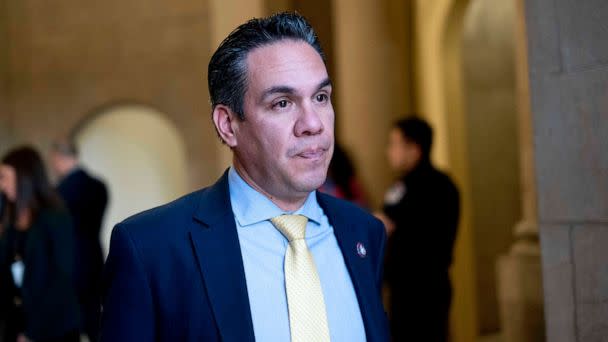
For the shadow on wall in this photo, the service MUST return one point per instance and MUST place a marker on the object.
(140, 155)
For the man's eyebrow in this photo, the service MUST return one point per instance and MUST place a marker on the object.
(326, 82)
(282, 89)
(277, 90)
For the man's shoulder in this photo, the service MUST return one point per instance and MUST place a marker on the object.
(356, 222)
(176, 218)
(91, 179)
(172, 216)
(443, 180)
(77, 179)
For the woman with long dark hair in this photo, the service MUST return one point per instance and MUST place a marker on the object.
(37, 297)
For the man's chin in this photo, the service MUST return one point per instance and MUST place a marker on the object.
(311, 184)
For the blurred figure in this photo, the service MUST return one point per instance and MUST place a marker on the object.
(421, 216)
(342, 181)
(2, 288)
(37, 297)
(86, 199)
(2, 208)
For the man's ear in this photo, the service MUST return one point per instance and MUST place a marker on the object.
(223, 119)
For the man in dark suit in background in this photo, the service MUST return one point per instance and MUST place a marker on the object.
(421, 213)
(260, 255)
(86, 199)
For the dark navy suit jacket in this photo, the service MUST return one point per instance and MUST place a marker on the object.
(86, 198)
(175, 273)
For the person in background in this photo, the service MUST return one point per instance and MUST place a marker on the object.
(342, 181)
(420, 213)
(86, 199)
(2, 304)
(37, 296)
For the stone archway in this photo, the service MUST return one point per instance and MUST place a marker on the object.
(140, 155)
(491, 121)
(440, 94)
(488, 136)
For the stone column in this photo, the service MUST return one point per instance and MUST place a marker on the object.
(568, 60)
(519, 271)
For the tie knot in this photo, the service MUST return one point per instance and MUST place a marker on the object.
(292, 226)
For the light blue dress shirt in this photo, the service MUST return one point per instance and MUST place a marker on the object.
(263, 248)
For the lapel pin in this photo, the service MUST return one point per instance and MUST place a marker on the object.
(361, 250)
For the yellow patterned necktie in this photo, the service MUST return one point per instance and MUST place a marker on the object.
(307, 315)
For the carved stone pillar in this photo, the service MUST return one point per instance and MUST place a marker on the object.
(519, 272)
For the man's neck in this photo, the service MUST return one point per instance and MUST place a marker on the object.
(68, 170)
(286, 204)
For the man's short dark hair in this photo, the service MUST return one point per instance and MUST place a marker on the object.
(418, 131)
(65, 147)
(227, 74)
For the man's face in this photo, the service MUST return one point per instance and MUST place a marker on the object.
(8, 182)
(55, 163)
(286, 141)
(61, 164)
(403, 154)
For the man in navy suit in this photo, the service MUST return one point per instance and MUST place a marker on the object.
(218, 264)
(86, 198)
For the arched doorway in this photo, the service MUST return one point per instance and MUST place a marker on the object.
(491, 121)
(464, 50)
(480, 99)
(140, 155)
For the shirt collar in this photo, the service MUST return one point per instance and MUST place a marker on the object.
(251, 207)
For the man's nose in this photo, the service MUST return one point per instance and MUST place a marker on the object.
(309, 121)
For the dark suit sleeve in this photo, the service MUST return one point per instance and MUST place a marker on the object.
(381, 233)
(382, 240)
(446, 222)
(128, 312)
(49, 300)
(62, 239)
(5, 294)
(100, 201)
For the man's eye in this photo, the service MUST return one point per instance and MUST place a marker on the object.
(322, 97)
(281, 104)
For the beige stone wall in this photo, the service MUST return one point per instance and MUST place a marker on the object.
(68, 59)
(371, 83)
(5, 117)
(568, 58)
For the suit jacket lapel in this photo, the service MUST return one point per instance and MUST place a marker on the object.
(348, 236)
(217, 249)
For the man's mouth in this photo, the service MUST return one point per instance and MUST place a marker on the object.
(312, 153)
